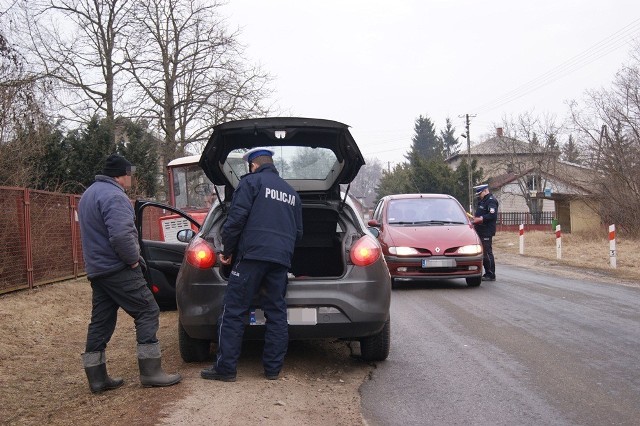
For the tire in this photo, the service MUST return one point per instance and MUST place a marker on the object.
(376, 347)
(474, 281)
(192, 350)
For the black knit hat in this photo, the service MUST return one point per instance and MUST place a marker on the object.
(116, 165)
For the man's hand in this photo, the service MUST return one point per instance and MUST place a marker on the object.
(225, 260)
(476, 220)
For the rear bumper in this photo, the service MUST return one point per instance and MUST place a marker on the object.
(410, 268)
(353, 306)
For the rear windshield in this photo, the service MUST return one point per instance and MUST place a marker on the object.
(425, 210)
(294, 162)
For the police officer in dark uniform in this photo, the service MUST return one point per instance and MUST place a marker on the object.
(263, 225)
(484, 221)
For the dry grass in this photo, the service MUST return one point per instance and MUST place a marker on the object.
(578, 250)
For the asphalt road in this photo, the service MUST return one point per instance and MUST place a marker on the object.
(528, 349)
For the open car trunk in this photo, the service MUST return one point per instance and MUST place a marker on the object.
(320, 252)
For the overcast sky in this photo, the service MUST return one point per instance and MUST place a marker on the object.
(378, 65)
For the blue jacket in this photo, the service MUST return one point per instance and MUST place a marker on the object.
(107, 228)
(488, 210)
(265, 218)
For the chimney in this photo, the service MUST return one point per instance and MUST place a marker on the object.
(499, 131)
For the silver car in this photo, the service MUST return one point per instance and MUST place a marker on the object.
(339, 284)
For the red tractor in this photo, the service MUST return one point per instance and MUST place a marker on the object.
(190, 191)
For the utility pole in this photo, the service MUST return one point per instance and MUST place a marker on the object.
(468, 137)
(469, 164)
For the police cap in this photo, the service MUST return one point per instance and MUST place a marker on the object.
(257, 152)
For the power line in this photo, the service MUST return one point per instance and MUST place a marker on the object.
(593, 53)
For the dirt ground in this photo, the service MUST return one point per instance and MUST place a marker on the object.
(42, 381)
(43, 332)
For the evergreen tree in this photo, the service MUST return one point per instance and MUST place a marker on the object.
(90, 147)
(398, 181)
(139, 146)
(460, 186)
(570, 151)
(450, 143)
(425, 143)
(432, 176)
(53, 165)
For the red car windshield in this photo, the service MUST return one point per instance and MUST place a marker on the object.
(427, 211)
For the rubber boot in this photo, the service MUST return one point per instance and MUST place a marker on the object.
(151, 374)
(95, 365)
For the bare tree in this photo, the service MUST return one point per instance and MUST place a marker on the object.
(365, 184)
(609, 121)
(189, 72)
(530, 151)
(23, 124)
(76, 42)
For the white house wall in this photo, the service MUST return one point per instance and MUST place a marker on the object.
(511, 200)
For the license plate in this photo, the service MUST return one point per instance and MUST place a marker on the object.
(438, 263)
(295, 316)
(302, 316)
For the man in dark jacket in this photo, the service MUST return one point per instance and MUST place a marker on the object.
(485, 224)
(263, 225)
(112, 261)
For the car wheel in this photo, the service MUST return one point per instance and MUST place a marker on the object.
(474, 281)
(192, 350)
(376, 347)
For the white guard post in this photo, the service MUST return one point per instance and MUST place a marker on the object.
(521, 238)
(558, 242)
(612, 246)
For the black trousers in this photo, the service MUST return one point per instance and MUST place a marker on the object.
(487, 258)
(248, 278)
(128, 290)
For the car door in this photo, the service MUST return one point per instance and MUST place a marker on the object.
(158, 226)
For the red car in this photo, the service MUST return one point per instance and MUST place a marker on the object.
(427, 237)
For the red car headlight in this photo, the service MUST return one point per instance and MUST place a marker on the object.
(470, 249)
(403, 251)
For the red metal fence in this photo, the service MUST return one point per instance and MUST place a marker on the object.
(510, 221)
(40, 237)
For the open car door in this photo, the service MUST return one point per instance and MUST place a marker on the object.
(158, 226)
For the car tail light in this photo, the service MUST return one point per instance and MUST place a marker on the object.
(200, 254)
(365, 251)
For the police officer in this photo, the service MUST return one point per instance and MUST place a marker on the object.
(484, 221)
(112, 261)
(263, 225)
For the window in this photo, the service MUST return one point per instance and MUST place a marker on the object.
(533, 182)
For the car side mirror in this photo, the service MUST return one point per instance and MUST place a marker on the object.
(374, 231)
(374, 223)
(186, 235)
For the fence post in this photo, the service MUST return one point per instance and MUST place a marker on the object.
(27, 236)
(72, 222)
(521, 238)
(558, 242)
(612, 246)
